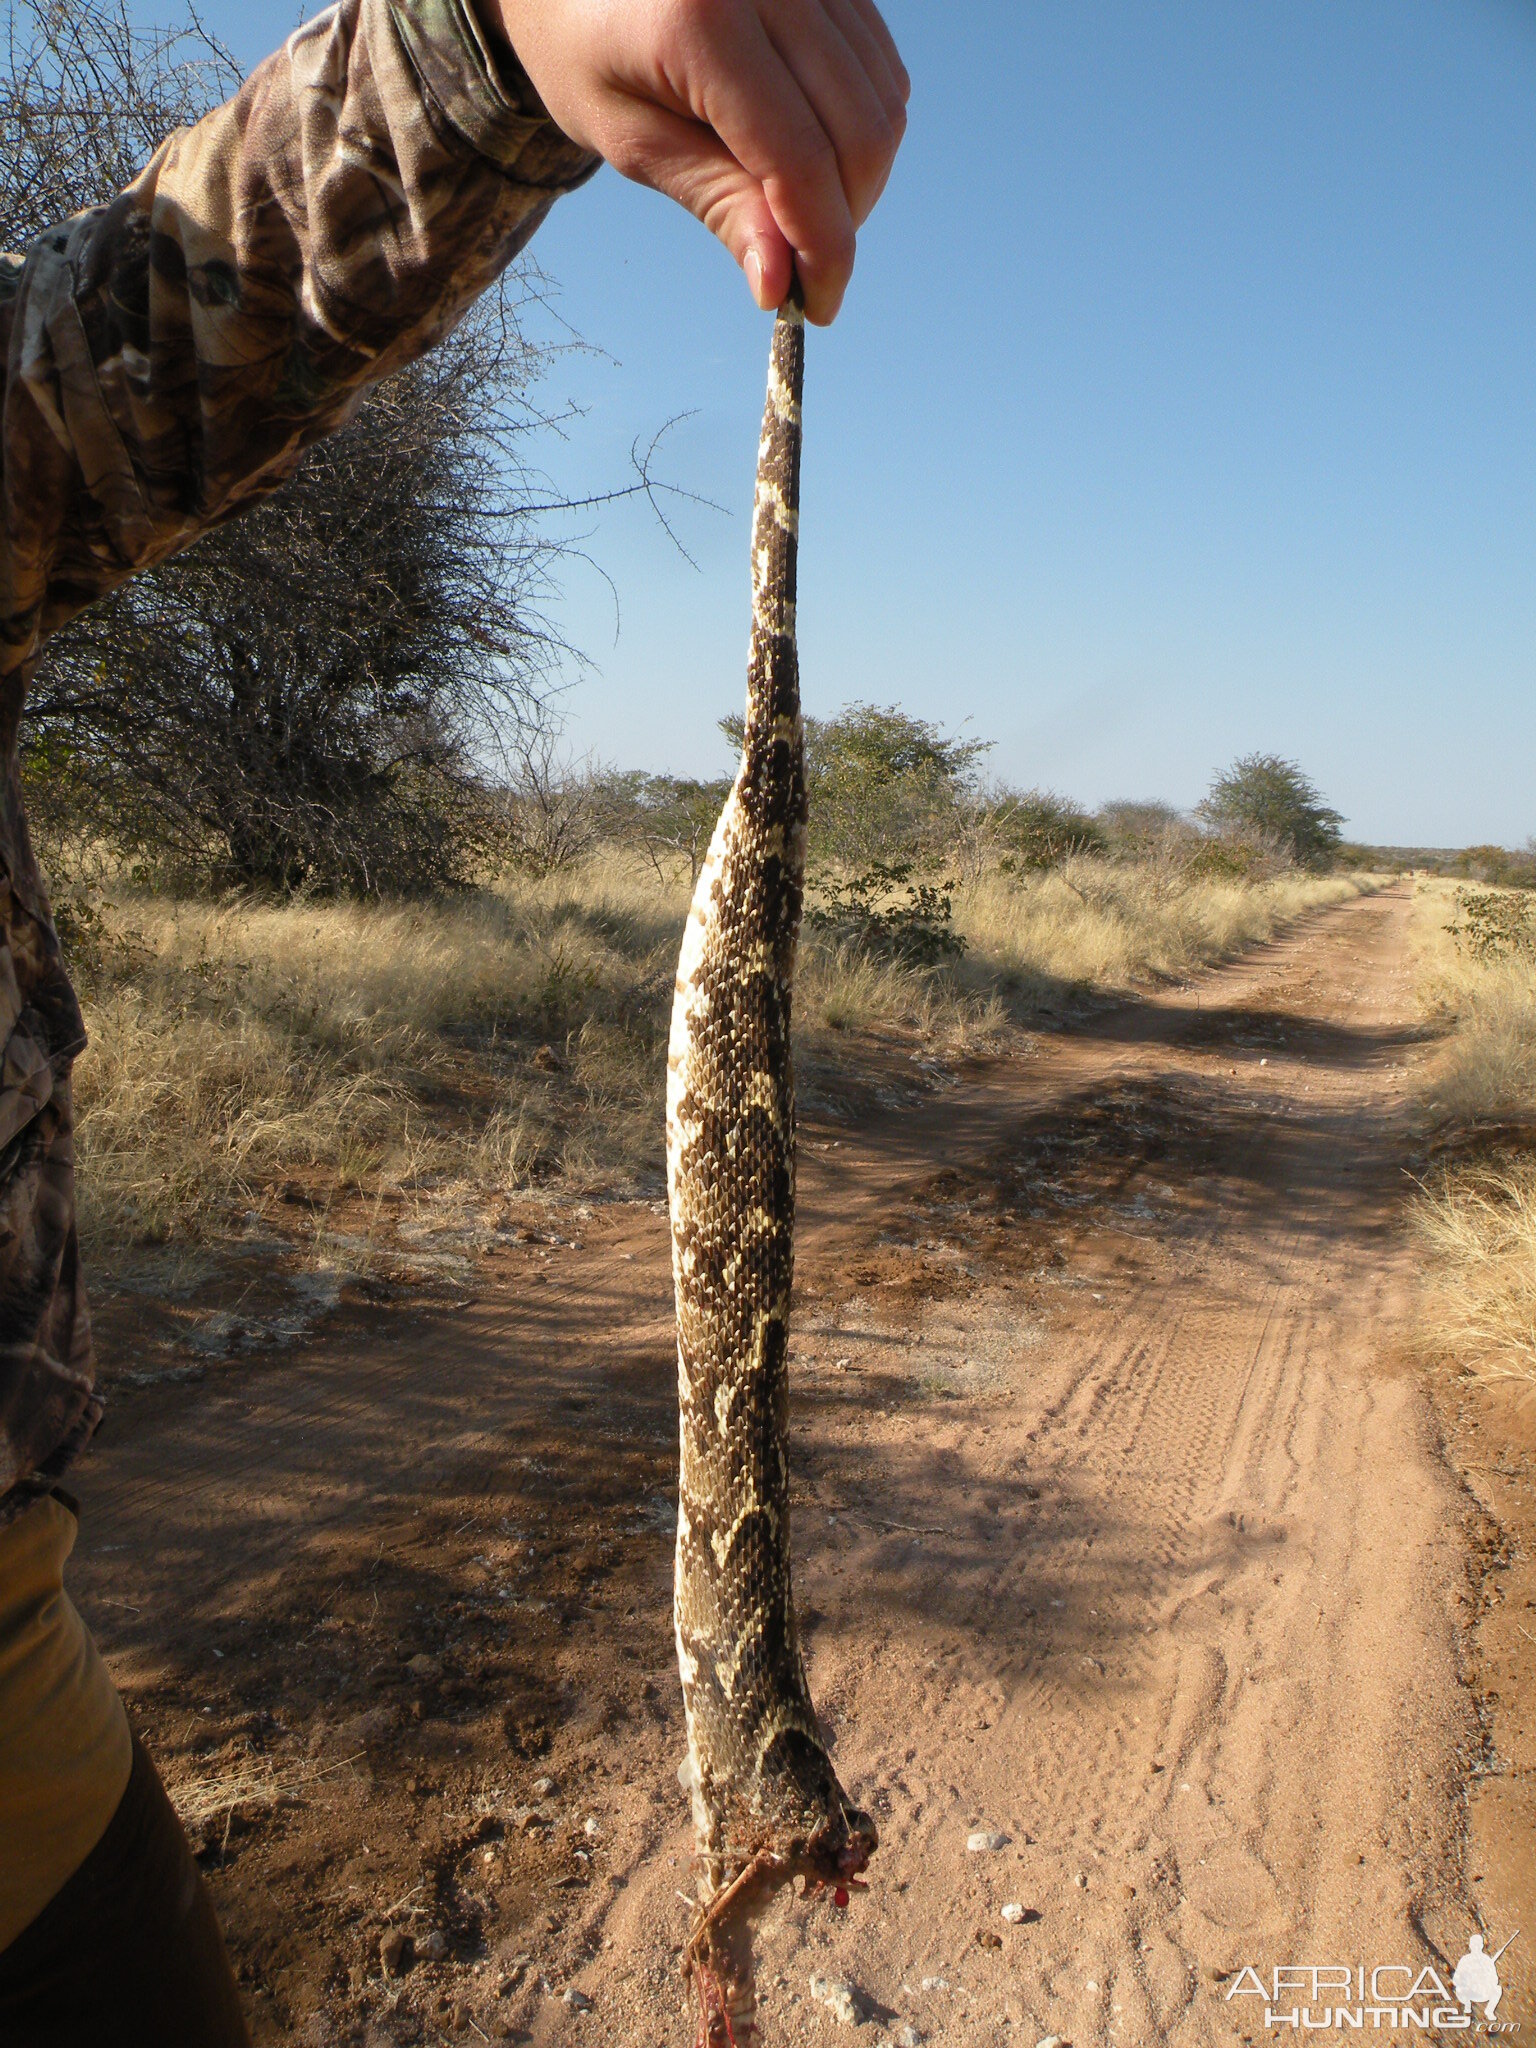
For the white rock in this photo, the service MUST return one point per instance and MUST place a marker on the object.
(1013, 1913)
(543, 1787)
(906, 2035)
(985, 1842)
(935, 1983)
(591, 1828)
(838, 1996)
(1049, 2041)
(578, 2001)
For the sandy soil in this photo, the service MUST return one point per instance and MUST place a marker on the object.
(1490, 1438)
(1126, 1527)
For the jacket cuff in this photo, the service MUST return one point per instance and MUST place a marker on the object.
(485, 95)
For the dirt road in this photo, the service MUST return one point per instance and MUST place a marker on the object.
(1124, 1535)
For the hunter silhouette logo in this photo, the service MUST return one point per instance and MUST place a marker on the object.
(1357, 1996)
(1476, 1980)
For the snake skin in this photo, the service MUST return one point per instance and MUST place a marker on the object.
(766, 1799)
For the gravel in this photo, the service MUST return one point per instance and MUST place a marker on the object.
(838, 1996)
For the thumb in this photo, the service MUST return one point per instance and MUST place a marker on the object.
(688, 162)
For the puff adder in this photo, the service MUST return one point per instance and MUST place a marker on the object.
(767, 1805)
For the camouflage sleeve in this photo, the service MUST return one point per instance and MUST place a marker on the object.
(167, 358)
(173, 354)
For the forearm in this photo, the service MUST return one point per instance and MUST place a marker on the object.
(170, 356)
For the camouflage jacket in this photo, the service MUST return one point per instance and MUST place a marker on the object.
(167, 359)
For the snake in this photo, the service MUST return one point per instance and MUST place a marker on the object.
(767, 1805)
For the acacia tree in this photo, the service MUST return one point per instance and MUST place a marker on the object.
(1275, 800)
(317, 694)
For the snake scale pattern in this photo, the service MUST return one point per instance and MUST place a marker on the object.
(767, 1805)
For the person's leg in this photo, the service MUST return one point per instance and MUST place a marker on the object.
(107, 1934)
(128, 1954)
(65, 1752)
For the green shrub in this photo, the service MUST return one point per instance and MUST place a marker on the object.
(1038, 829)
(1497, 866)
(1231, 860)
(1493, 925)
(884, 912)
(1139, 830)
(884, 787)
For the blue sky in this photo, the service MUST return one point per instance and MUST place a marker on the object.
(1184, 404)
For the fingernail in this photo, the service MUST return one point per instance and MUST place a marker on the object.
(752, 264)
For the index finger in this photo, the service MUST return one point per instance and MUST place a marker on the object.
(756, 106)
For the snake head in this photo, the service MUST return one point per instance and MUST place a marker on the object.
(839, 1849)
(801, 1812)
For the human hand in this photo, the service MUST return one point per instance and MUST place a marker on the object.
(775, 122)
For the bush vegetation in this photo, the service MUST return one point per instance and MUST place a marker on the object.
(1493, 925)
(1499, 867)
(324, 694)
(883, 912)
(1476, 1215)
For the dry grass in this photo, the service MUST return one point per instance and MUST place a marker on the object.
(417, 1056)
(1098, 924)
(207, 1807)
(1038, 941)
(1486, 1071)
(496, 1040)
(1479, 1227)
(1476, 1217)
